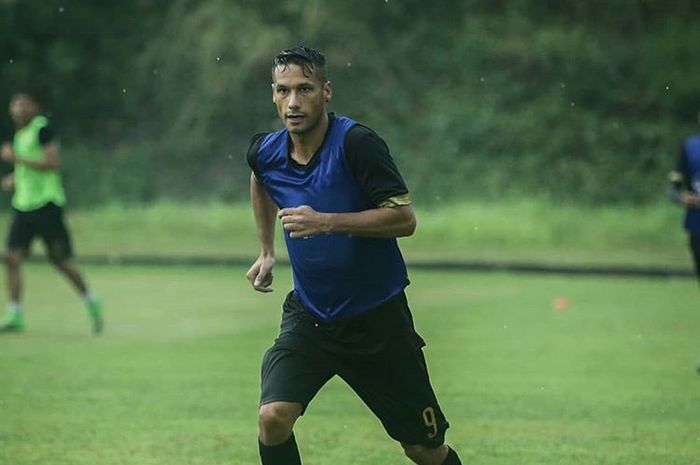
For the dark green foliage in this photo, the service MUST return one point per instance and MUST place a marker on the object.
(583, 101)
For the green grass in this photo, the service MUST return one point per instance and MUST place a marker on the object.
(513, 229)
(528, 229)
(174, 380)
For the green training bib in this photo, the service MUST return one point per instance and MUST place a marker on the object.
(34, 188)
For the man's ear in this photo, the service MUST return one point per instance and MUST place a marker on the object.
(327, 91)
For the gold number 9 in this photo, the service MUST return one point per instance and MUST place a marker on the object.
(430, 421)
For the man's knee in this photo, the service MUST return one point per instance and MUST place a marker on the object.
(58, 262)
(59, 253)
(13, 258)
(276, 421)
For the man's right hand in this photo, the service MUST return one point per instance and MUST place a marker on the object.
(8, 183)
(260, 274)
(6, 152)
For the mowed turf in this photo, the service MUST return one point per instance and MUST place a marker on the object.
(174, 380)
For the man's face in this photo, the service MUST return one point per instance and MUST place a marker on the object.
(300, 99)
(22, 109)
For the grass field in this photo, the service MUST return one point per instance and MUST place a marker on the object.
(513, 229)
(174, 380)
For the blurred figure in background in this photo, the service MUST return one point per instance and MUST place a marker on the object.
(37, 204)
(685, 190)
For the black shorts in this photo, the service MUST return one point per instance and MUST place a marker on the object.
(378, 354)
(45, 222)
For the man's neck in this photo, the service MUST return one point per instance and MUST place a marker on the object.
(24, 123)
(304, 146)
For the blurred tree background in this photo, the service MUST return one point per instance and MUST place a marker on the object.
(584, 102)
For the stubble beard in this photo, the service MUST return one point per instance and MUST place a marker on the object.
(307, 128)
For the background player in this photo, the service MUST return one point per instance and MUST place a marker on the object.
(37, 202)
(685, 190)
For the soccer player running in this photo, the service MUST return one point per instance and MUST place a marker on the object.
(342, 204)
(685, 191)
(37, 202)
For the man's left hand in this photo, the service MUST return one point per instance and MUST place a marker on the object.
(303, 222)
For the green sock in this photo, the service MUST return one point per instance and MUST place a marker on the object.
(14, 316)
(92, 302)
(94, 308)
(14, 310)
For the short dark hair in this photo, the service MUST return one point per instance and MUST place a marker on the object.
(36, 95)
(309, 59)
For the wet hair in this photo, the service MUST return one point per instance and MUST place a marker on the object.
(309, 59)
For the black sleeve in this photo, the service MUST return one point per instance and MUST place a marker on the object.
(46, 135)
(252, 154)
(370, 162)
